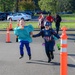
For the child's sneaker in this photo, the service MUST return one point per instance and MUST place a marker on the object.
(29, 57)
(20, 57)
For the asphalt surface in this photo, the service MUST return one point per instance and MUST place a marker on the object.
(10, 64)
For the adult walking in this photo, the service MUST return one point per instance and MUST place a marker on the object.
(57, 22)
(41, 21)
(49, 18)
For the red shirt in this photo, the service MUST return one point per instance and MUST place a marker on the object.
(49, 18)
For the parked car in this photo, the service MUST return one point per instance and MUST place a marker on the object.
(17, 16)
(29, 12)
(2, 16)
(8, 13)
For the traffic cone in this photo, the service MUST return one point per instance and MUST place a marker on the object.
(63, 53)
(8, 36)
(10, 25)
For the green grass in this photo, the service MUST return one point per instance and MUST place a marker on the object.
(4, 25)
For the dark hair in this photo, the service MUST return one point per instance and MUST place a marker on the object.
(22, 19)
(49, 13)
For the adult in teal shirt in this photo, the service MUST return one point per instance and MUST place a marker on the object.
(24, 34)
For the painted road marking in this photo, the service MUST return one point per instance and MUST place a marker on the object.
(72, 58)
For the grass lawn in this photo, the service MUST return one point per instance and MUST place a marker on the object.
(4, 25)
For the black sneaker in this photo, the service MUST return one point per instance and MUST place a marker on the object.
(53, 57)
(49, 60)
(29, 57)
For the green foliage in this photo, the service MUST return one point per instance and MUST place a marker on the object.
(55, 5)
(6, 5)
(49, 5)
(26, 5)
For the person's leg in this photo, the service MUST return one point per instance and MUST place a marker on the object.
(21, 49)
(57, 27)
(52, 55)
(28, 50)
(48, 55)
(47, 52)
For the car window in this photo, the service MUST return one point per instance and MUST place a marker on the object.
(14, 14)
(19, 14)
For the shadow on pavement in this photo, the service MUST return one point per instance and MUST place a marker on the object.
(41, 62)
(71, 54)
(71, 65)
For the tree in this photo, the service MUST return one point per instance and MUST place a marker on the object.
(72, 5)
(48, 5)
(64, 5)
(6, 5)
(26, 5)
(55, 5)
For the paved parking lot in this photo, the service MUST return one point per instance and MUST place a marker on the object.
(10, 64)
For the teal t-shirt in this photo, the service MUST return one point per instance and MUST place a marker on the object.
(24, 34)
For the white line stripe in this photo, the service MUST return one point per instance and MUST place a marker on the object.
(63, 41)
(71, 58)
(63, 49)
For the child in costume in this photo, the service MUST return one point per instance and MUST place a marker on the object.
(48, 34)
(24, 37)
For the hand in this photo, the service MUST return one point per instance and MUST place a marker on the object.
(33, 36)
(16, 39)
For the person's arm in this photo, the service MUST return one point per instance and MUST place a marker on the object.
(37, 35)
(55, 34)
(31, 34)
(16, 33)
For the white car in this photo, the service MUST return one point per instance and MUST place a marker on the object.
(18, 16)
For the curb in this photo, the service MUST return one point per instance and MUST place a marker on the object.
(39, 30)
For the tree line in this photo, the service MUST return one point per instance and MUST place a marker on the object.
(45, 5)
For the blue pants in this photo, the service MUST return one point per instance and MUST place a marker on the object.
(26, 43)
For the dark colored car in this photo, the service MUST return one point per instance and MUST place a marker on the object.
(2, 16)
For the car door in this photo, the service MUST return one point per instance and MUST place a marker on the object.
(19, 16)
(14, 16)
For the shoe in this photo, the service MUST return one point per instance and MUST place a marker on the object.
(49, 60)
(29, 57)
(52, 56)
(20, 57)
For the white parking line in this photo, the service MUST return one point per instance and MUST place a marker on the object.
(71, 58)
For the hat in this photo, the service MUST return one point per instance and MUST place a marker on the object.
(47, 23)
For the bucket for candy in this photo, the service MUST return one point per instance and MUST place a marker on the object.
(58, 46)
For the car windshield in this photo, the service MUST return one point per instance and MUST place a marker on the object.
(14, 14)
